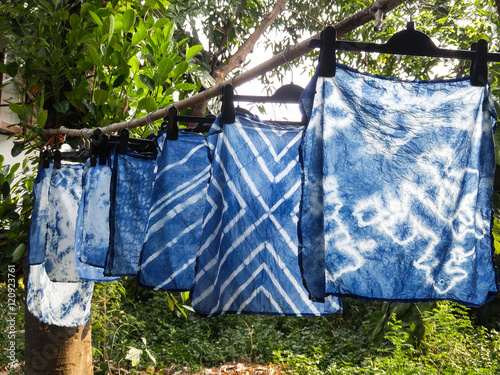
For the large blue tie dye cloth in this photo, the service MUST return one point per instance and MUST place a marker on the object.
(176, 214)
(397, 190)
(56, 303)
(248, 259)
(131, 189)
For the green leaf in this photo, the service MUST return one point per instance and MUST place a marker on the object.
(164, 68)
(17, 109)
(111, 30)
(100, 96)
(12, 69)
(94, 55)
(193, 51)
(134, 355)
(18, 253)
(180, 69)
(96, 18)
(128, 19)
(62, 107)
(150, 84)
(41, 119)
(119, 80)
(148, 104)
(134, 64)
(6, 189)
(17, 149)
(74, 21)
(185, 86)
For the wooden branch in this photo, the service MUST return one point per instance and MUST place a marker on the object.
(292, 53)
(235, 61)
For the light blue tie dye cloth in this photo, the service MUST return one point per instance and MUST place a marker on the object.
(174, 227)
(92, 235)
(131, 189)
(248, 259)
(55, 303)
(397, 190)
(63, 218)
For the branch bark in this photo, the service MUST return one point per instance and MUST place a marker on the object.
(292, 53)
(235, 61)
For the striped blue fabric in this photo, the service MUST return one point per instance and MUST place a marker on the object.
(397, 190)
(248, 259)
(177, 204)
(131, 188)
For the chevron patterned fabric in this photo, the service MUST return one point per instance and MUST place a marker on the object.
(248, 259)
(397, 191)
(174, 227)
(131, 188)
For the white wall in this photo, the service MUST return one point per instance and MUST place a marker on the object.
(6, 144)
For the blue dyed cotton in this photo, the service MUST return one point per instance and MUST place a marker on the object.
(131, 188)
(55, 303)
(397, 190)
(92, 237)
(58, 303)
(248, 259)
(63, 219)
(174, 228)
(38, 228)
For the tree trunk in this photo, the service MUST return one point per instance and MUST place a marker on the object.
(53, 350)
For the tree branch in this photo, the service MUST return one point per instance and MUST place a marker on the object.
(235, 61)
(292, 53)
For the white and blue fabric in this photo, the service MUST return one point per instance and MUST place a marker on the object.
(397, 190)
(177, 203)
(131, 188)
(55, 303)
(92, 236)
(64, 214)
(248, 259)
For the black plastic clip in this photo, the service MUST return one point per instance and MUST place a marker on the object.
(172, 128)
(327, 56)
(479, 66)
(57, 159)
(228, 112)
(123, 141)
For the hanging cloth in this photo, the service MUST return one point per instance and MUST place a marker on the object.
(397, 190)
(177, 203)
(55, 303)
(248, 259)
(131, 188)
(92, 231)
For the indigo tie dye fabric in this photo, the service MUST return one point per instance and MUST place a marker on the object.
(176, 214)
(131, 188)
(38, 228)
(58, 303)
(92, 236)
(63, 218)
(248, 259)
(397, 190)
(55, 303)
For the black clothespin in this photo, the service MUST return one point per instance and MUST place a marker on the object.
(479, 64)
(172, 127)
(94, 146)
(327, 55)
(57, 159)
(123, 141)
(228, 112)
(45, 158)
(103, 149)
